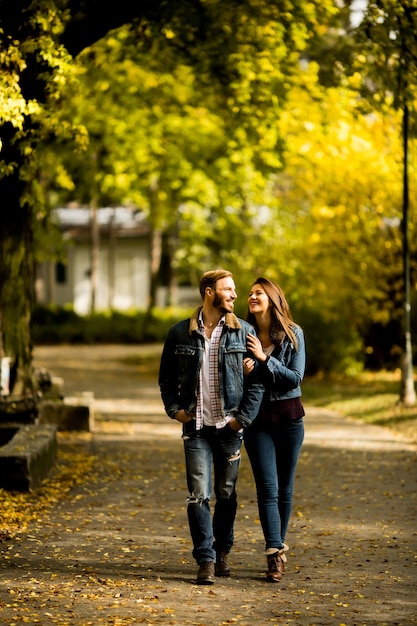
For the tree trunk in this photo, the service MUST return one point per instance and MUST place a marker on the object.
(156, 256)
(16, 280)
(95, 252)
(111, 266)
(407, 395)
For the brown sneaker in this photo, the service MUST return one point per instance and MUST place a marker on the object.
(205, 574)
(221, 567)
(276, 566)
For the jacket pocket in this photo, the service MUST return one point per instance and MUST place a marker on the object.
(184, 350)
(234, 356)
(186, 364)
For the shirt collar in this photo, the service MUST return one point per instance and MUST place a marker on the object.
(221, 321)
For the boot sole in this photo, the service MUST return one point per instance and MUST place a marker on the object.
(205, 581)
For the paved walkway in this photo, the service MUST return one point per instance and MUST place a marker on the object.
(116, 550)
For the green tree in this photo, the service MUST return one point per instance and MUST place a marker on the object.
(33, 67)
(389, 32)
(335, 245)
(37, 42)
(189, 150)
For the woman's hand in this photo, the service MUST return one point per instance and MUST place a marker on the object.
(248, 366)
(255, 346)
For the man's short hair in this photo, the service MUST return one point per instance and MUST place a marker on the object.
(210, 278)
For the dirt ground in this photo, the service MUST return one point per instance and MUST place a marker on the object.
(116, 550)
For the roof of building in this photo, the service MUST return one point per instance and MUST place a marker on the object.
(125, 221)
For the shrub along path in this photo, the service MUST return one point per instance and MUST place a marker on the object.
(116, 549)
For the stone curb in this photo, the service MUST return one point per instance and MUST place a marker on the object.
(28, 456)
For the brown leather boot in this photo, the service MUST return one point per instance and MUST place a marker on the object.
(276, 560)
(205, 574)
(222, 567)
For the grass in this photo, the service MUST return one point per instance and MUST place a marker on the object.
(372, 397)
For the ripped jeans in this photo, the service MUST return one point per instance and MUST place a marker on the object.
(206, 449)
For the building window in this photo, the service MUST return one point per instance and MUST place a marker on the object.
(61, 273)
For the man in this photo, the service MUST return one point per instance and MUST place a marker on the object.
(203, 386)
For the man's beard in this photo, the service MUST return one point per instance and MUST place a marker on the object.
(218, 304)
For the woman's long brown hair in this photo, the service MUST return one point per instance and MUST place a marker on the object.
(282, 323)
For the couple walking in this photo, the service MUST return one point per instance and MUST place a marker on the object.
(227, 381)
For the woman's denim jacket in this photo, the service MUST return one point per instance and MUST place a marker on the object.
(284, 370)
(181, 362)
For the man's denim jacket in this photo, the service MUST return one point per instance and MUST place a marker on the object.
(180, 366)
(284, 370)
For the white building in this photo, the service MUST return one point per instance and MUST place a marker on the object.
(123, 262)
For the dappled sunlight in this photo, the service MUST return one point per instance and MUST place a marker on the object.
(330, 429)
(115, 540)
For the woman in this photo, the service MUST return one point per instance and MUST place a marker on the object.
(273, 441)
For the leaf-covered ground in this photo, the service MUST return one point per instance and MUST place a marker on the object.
(112, 546)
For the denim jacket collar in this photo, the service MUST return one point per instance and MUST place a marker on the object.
(230, 320)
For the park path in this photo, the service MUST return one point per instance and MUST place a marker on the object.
(116, 550)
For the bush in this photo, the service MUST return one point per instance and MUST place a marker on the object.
(331, 346)
(54, 325)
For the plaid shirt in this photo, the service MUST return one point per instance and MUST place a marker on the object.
(220, 420)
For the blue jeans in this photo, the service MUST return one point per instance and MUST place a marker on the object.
(206, 449)
(273, 449)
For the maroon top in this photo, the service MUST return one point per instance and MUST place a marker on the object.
(275, 411)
